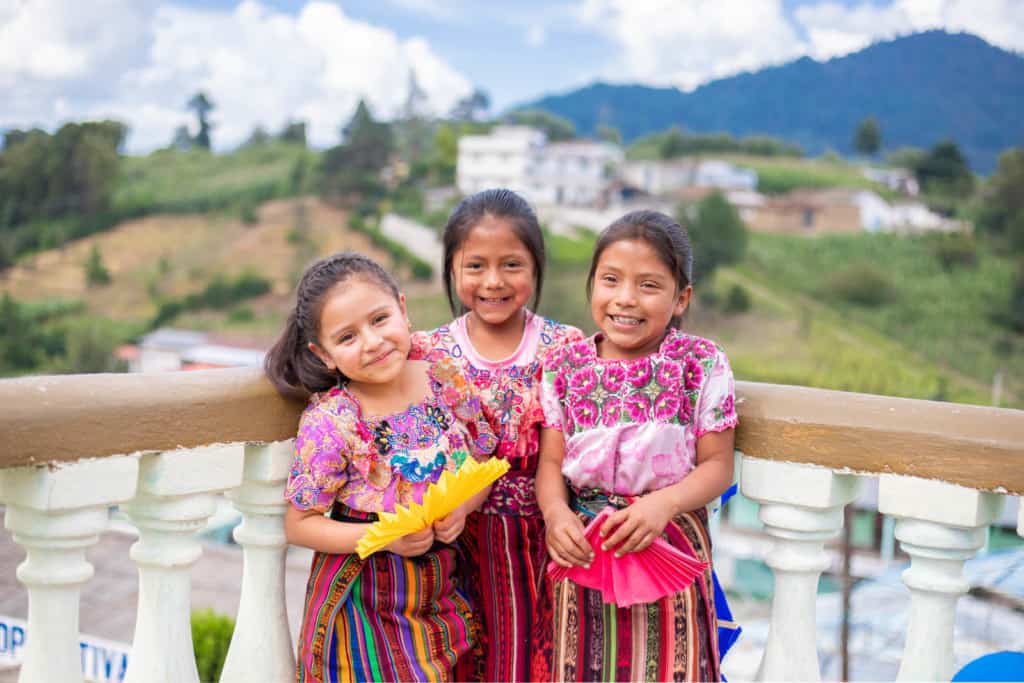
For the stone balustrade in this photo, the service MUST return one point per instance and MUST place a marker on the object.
(163, 446)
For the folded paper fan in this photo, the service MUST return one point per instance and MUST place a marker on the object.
(440, 499)
(640, 577)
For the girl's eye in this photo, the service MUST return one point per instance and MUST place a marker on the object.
(380, 318)
(473, 266)
(649, 285)
(610, 279)
(345, 339)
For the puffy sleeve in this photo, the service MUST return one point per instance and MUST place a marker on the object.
(421, 345)
(716, 411)
(320, 468)
(462, 398)
(552, 389)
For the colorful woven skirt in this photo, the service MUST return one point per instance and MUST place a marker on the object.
(675, 638)
(506, 543)
(386, 618)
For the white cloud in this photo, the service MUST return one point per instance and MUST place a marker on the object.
(259, 66)
(834, 29)
(689, 42)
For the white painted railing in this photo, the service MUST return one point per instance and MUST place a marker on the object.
(57, 511)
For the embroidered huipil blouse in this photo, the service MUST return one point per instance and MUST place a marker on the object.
(631, 426)
(372, 463)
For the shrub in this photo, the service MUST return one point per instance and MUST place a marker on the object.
(954, 250)
(247, 211)
(737, 300)
(861, 284)
(96, 274)
(211, 635)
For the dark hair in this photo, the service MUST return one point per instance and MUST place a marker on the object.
(290, 365)
(499, 203)
(669, 240)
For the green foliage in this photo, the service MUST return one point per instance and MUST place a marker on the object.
(718, 236)
(555, 127)
(69, 173)
(471, 107)
(220, 293)
(202, 106)
(248, 211)
(96, 274)
(737, 300)
(241, 314)
(944, 171)
(211, 636)
(293, 133)
(1002, 215)
(868, 138)
(352, 170)
(954, 250)
(565, 251)
(1017, 300)
(951, 317)
(56, 337)
(674, 143)
(861, 284)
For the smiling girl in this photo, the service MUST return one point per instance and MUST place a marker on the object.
(639, 417)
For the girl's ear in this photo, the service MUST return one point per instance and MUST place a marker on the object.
(683, 302)
(405, 312)
(324, 357)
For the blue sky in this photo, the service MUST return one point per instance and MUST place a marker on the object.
(266, 61)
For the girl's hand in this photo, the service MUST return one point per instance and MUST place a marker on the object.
(412, 545)
(635, 527)
(564, 534)
(447, 529)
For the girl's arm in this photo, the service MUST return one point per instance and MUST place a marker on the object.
(635, 527)
(563, 530)
(310, 528)
(448, 528)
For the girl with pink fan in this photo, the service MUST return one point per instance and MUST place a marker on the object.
(639, 437)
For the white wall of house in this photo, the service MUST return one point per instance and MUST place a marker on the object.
(724, 176)
(504, 158)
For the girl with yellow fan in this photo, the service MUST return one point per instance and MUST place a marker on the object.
(378, 432)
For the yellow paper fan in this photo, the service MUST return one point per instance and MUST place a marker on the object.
(449, 492)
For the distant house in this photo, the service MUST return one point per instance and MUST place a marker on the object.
(572, 173)
(896, 179)
(837, 210)
(672, 176)
(168, 349)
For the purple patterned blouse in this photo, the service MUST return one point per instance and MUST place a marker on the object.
(372, 463)
(631, 426)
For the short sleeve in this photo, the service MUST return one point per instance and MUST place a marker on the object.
(319, 470)
(552, 391)
(419, 346)
(716, 410)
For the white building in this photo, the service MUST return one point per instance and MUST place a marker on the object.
(896, 179)
(665, 177)
(574, 173)
(168, 349)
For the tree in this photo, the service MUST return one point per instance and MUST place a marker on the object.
(718, 235)
(1002, 215)
(294, 132)
(202, 106)
(258, 137)
(868, 138)
(182, 140)
(672, 144)
(471, 106)
(944, 170)
(96, 274)
(555, 127)
(352, 169)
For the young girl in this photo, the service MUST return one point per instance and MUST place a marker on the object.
(494, 266)
(377, 431)
(640, 417)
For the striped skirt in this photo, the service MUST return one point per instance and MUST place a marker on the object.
(506, 545)
(673, 639)
(386, 618)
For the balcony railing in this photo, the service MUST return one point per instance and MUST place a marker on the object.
(164, 446)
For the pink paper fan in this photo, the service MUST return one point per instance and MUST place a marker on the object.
(641, 577)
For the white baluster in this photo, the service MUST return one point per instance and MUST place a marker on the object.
(801, 507)
(261, 646)
(56, 514)
(940, 525)
(177, 494)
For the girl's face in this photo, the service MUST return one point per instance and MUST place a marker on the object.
(493, 271)
(364, 332)
(634, 296)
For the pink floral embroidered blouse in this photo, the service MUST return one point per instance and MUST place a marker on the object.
(372, 463)
(631, 426)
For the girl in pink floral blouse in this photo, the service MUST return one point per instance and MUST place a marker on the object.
(640, 417)
(378, 429)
